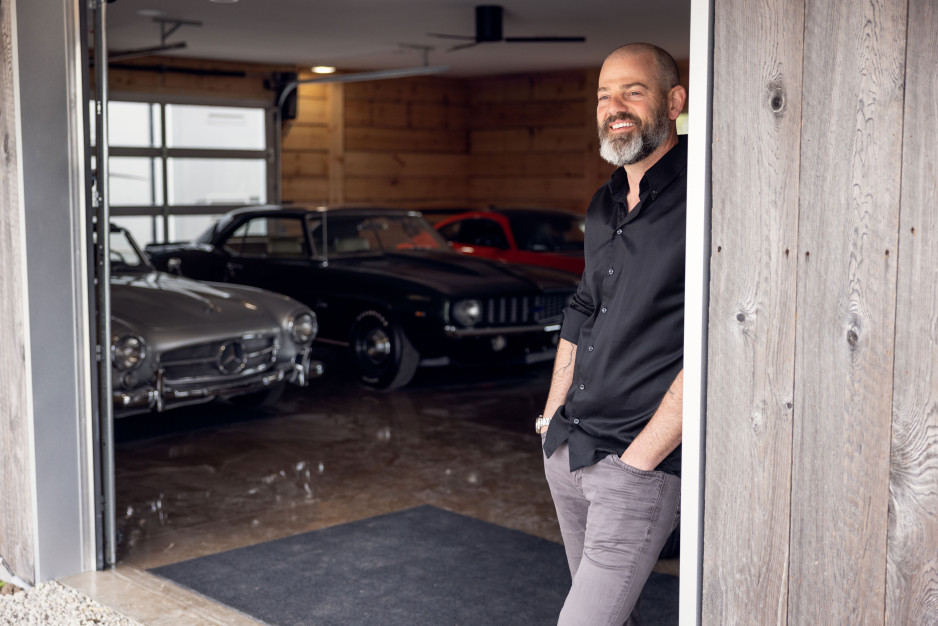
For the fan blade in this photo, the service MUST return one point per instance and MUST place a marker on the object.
(462, 46)
(545, 39)
(445, 36)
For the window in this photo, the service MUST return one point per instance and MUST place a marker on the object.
(174, 167)
(270, 237)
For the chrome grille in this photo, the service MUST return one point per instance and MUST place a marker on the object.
(518, 310)
(236, 356)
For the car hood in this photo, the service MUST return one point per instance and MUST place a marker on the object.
(456, 274)
(161, 303)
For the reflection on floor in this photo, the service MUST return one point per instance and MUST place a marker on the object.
(201, 480)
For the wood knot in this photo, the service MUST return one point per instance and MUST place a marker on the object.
(852, 338)
(740, 317)
(776, 94)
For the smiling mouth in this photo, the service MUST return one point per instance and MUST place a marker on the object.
(620, 124)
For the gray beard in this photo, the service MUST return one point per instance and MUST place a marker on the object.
(621, 151)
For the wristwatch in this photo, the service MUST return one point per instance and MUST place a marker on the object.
(540, 423)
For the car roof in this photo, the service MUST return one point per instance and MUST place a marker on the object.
(291, 209)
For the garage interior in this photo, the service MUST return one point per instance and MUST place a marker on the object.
(505, 125)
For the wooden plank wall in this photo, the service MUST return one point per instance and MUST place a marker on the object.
(822, 425)
(17, 521)
(912, 537)
(533, 140)
(754, 244)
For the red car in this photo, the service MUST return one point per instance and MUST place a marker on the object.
(545, 237)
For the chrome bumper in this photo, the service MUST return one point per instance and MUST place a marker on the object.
(457, 333)
(165, 395)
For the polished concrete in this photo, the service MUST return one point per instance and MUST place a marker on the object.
(201, 480)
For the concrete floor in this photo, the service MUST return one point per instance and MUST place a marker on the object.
(201, 480)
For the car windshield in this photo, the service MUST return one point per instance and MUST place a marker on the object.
(377, 233)
(546, 232)
(125, 255)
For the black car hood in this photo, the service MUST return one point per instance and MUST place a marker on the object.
(456, 274)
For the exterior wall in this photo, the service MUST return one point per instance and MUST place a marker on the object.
(17, 517)
(821, 435)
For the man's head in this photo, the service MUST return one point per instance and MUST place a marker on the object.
(639, 97)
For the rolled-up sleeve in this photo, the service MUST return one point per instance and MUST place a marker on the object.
(577, 312)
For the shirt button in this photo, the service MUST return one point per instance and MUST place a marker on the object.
(590, 348)
(619, 232)
(582, 386)
(611, 271)
(602, 310)
(576, 421)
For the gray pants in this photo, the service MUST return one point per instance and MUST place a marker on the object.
(614, 519)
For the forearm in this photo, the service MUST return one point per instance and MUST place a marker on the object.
(662, 434)
(562, 377)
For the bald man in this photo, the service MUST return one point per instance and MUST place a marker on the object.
(611, 427)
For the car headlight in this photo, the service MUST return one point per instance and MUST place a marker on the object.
(128, 352)
(304, 327)
(467, 312)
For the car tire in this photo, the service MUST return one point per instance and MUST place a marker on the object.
(382, 354)
(263, 399)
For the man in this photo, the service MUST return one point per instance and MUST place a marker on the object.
(611, 428)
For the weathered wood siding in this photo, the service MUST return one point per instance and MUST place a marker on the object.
(822, 424)
(754, 247)
(17, 522)
(912, 537)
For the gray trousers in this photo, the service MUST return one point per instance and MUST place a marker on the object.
(614, 520)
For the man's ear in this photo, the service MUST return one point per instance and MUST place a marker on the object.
(676, 99)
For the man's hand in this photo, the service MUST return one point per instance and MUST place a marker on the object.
(662, 434)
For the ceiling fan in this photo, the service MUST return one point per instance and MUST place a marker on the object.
(489, 19)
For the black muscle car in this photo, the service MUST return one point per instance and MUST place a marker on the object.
(385, 284)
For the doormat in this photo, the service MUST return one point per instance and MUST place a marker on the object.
(417, 566)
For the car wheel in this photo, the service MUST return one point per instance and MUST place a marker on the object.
(260, 399)
(382, 355)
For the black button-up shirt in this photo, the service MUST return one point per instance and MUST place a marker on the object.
(627, 318)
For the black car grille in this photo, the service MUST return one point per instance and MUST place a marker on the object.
(237, 356)
(509, 310)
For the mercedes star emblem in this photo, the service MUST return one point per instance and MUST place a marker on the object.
(231, 357)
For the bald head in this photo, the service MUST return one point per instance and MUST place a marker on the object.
(665, 65)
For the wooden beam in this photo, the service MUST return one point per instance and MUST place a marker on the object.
(336, 143)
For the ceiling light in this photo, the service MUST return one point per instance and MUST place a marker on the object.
(151, 13)
(323, 69)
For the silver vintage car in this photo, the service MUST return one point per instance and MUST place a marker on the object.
(177, 341)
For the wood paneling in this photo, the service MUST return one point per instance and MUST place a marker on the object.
(17, 522)
(756, 126)
(412, 164)
(365, 139)
(421, 89)
(912, 541)
(509, 141)
(299, 136)
(400, 190)
(848, 225)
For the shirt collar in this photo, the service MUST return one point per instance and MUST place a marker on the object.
(656, 178)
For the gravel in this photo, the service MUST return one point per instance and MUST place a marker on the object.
(58, 605)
